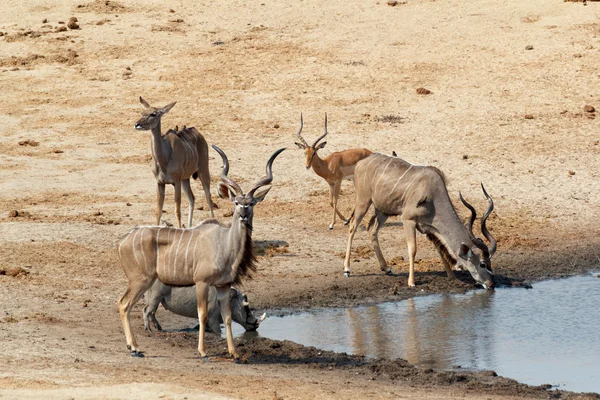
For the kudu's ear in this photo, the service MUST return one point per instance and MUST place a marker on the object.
(465, 251)
(300, 146)
(144, 102)
(166, 108)
(233, 292)
(319, 147)
(225, 192)
(261, 195)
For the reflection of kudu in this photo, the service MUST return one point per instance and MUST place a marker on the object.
(419, 196)
(177, 156)
(333, 168)
(210, 254)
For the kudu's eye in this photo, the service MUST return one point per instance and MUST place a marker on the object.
(153, 114)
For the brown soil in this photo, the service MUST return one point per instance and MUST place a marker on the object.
(74, 174)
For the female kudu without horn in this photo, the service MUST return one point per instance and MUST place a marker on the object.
(210, 254)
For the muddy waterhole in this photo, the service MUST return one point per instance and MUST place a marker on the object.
(549, 334)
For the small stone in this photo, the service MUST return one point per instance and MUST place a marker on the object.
(589, 109)
(392, 3)
(61, 22)
(528, 116)
(529, 47)
(465, 156)
(84, 305)
(276, 126)
(423, 91)
(577, 55)
(177, 20)
(13, 213)
(72, 24)
(58, 151)
(571, 173)
(171, 10)
(128, 204)
(45, 21)
(61, 29)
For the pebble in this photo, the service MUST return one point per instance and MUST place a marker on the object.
(529, 47)
(589, 109)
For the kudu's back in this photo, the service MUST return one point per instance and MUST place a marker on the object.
(393, 185)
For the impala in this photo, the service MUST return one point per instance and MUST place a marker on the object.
(333, 168)
(210, 254)
(419, 196)
(177, 156)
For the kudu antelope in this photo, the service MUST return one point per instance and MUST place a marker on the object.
(210, 254)
(333, 168)
(419, 196)
(177, 156)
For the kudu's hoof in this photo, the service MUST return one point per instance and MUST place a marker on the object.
(389, 272)
(138, 354)
(330, 227)
(237, 360)
(347, 274)
(346, 222)
(204, 359)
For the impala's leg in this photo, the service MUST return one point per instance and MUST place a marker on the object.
(133, 293)
(375, 225)
(336, 195)
(204, 176)
(202, 298)
(410, 230)
(360, 210)
(177, 186)
(160, 201)
(447, 266)
(185, 185)
(224, 298)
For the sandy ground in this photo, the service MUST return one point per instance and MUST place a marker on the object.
(78, 174)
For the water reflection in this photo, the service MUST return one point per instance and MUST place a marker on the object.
(545, 335)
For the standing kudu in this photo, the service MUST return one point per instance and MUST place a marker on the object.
(177, 156)
(419, 196)
(333, 168)
(210, 254)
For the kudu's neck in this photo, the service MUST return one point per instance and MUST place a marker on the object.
(449, 226)
(161, 149)
(239, 242)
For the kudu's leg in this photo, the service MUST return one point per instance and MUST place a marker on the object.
(132, 295)
(447, 266)
(177, 186)
(202, 299)
(204, 176)
(149, 314)
(410, 230)
(160, 201)
(224, 299)
(375, 225)
(359, 212)
(185, 185)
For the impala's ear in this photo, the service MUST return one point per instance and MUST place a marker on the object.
(225, 192)
(166, 108)
(465, 251)
(301, 147)
(319, 147)
(261, 195)
(144, 102)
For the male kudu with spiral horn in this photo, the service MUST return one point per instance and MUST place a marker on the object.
(419, 196)
(210, 254)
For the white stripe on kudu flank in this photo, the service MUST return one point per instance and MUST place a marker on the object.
(142, 246)
(156, 248)
(187, 248)
(133, 246)
(410, 184)
(376, 155)
(399, 179)
(382, 173)
(176, 253)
